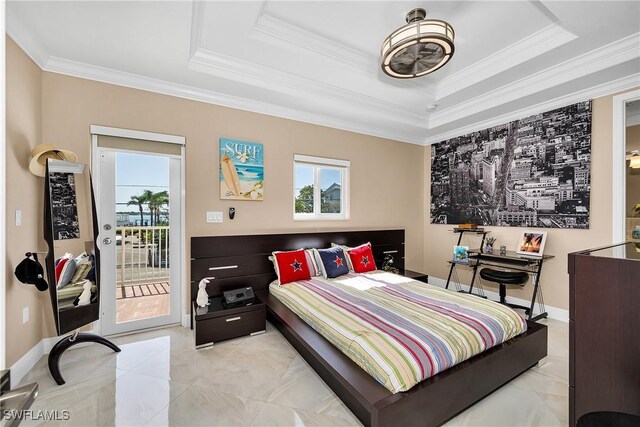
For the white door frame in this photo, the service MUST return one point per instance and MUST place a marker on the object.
(3, 200)
(96, 131)
(619, 217)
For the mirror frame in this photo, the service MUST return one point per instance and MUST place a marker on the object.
(70, 320)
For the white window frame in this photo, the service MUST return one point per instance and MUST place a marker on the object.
(319, 163)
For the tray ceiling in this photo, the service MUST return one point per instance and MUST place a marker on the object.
(319, 61)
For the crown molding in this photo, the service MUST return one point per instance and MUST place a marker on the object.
(538, 43)
(135, 81)
(197, 17)
(286, 35)
(236, 69)
(619, 85)
(294, 37)
(620, 51)
(607, 56)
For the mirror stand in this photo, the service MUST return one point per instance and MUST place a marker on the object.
(69, 341)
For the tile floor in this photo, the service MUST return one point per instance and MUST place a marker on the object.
(160, 379)
(129, 309)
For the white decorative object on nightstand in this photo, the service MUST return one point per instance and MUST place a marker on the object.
(202, 299)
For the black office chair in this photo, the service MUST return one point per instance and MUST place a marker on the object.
(504, 278)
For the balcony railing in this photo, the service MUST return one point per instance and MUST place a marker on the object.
(142, 255)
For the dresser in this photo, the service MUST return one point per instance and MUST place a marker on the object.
(604, 331)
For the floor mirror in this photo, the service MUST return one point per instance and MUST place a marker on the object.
(73, 260)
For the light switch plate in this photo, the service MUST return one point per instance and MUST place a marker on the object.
(18, 217)
(214, 216)
(25, 314)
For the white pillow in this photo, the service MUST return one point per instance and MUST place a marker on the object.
(315, 258)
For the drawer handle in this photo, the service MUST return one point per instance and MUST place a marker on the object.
(233, 319)
(224, 267)
(389, 252)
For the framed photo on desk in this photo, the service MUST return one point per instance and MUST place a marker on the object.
(532, 243)
(461, 254)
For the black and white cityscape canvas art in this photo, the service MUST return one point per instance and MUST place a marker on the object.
(64, 206)
(532, 172)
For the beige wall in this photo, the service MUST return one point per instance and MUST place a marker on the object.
(386, 189)
(24, 192)
(439, 241)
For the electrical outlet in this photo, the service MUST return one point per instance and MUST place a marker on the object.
(18, 217)
(25, 314)
(214, 216)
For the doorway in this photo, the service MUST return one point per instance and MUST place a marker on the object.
(139, 199)
(626, 166)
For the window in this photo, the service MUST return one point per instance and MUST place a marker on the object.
(320, 188)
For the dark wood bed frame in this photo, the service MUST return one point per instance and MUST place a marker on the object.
(239, 261)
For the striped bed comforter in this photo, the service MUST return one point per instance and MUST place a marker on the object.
(399, 330)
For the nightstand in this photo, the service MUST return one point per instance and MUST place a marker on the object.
(215, 323)
(421, 277)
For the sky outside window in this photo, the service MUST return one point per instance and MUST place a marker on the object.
(136, 173)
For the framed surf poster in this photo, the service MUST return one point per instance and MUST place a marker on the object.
(241, 170)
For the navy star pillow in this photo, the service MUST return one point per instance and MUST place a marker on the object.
(334, 261)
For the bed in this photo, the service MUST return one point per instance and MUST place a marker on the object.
(242, 261)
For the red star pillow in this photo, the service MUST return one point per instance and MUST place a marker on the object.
(60, 266)
(362, 259)
(291, 266)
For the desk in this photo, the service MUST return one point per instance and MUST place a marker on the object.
(513, 261)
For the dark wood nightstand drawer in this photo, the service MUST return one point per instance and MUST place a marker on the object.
(230, 326)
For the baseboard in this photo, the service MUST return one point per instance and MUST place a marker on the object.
(554, 313)
(29, 360)
(23, 365)
(48, 343)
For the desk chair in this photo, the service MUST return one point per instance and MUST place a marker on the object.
(504, 278)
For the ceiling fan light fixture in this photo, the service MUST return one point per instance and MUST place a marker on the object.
(418, 48)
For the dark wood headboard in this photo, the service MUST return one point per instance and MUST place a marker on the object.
(238, 261)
